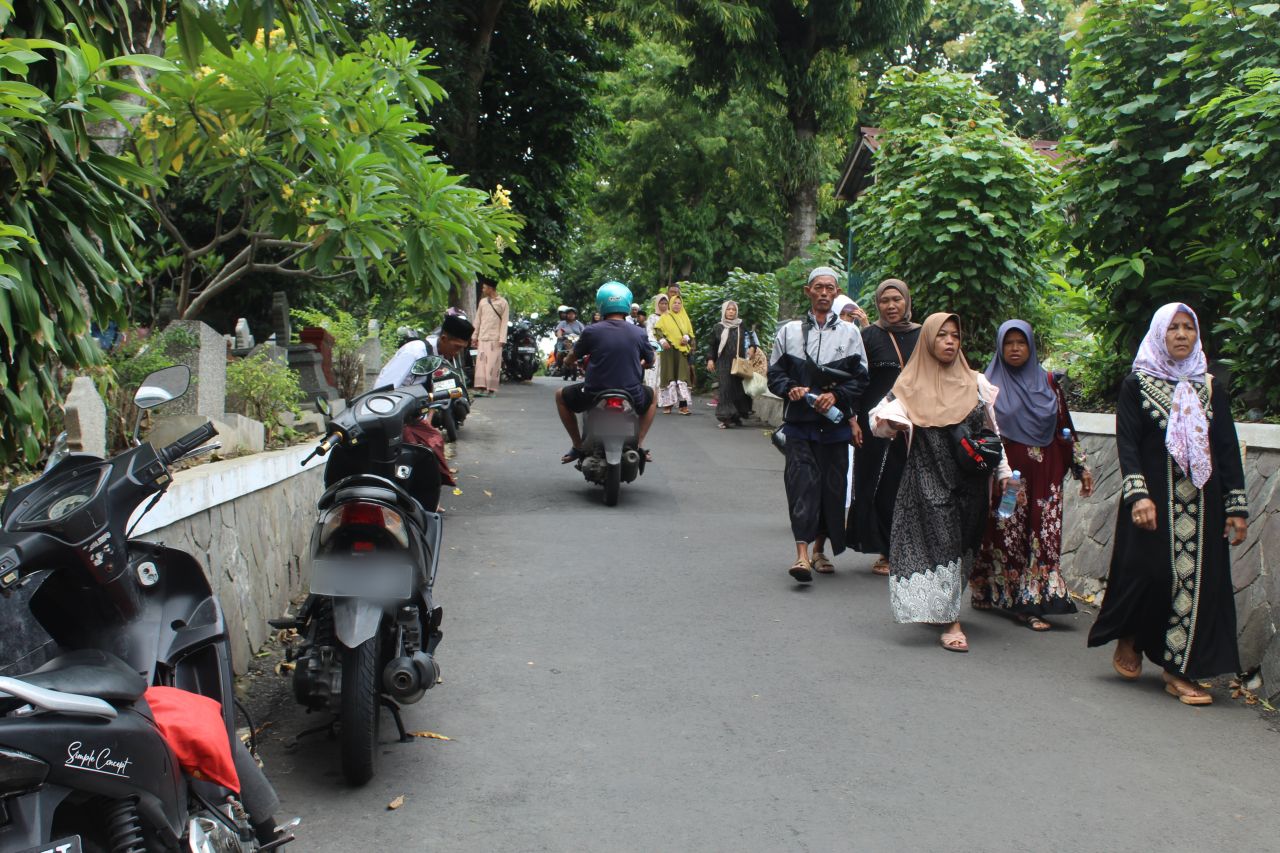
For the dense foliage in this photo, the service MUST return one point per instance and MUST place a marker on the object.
(959, 205)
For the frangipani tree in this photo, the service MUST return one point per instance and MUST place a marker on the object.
(311, 168)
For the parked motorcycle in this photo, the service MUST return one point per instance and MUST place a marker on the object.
(449, 413)
(83, 763)
(520, 353)
(611, 443)
(369, 627)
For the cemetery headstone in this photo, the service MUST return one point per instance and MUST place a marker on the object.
(206, 355)
(86, 418)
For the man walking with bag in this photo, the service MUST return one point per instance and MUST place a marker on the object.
(491, 335)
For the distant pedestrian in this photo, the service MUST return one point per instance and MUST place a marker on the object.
(878, 462)
(634, 316)
(492, 316)
(849, 311)
(651, 376)
(1018, 569)
(822, 356)
(730, 340)
(675, 336)
(939, 516)
(1169, 593)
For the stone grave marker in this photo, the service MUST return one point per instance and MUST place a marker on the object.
(86, 418)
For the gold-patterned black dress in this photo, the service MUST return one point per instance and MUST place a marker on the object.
(1170, 589)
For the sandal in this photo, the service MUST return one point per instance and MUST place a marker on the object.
(573, 454)
(1187, 696)
(821, 564)
(800, 570)
(722, 425)
(666, 410)
(980, 605)
(954, 642)
(684, 410)
(648, 456)
(880, 567)
(1035, 623)
(1127, 674)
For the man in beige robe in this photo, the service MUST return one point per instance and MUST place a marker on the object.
(492, 314)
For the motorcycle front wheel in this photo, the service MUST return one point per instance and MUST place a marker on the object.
(360, 710)
(612, 484)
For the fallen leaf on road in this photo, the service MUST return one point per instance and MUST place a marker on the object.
(396, 803)
(488, 494)
(429, 735)
(457, 491)
(284, 666)
(262, 654)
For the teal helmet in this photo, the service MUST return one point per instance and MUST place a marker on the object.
(613, 297)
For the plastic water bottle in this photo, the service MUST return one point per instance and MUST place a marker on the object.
(1009, 502)
(1066, 436)
(832, 414)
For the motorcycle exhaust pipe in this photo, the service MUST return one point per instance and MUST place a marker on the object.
(630, 465)
(401, 678)
(428, 669)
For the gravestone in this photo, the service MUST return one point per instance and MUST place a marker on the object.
(371, 354)
(306, 361)
(86, 418)
(281, 326)
(167, 312)
(207, 358)
(244, 337)
(323, 342)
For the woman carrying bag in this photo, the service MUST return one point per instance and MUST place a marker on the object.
(731, 346)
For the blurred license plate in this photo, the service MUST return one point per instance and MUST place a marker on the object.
(62, 845)
(525, 349)
(444, 384)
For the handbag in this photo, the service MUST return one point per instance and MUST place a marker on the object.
(977, 453)
(755, 384)
(741, 368)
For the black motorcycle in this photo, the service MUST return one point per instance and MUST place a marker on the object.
(83, 765)
(520, 352)
(611, 443)
(369, 627)
(448, 413)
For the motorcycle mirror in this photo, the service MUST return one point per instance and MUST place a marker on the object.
(323, 407)
(426, 366)
(162, 386)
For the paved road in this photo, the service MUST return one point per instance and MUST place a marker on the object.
(647, 678)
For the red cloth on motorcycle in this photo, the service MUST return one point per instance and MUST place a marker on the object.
(195, 730)
(423, 433)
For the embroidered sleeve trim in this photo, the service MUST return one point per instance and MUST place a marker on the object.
(1135, 486)
(1237, 503)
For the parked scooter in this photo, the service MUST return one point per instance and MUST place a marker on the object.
(611, 443)
(448, 413)
(369, 627)
(520, 353)
(83, 763)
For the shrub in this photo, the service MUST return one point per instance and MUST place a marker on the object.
(349, 334)
(261, 387)
(755, 293)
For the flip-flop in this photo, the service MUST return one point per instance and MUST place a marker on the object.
(954, 642)
(821, 564)
(800, 571)
(1197, 698)
(1127, 674)
(1035, 623)
(573, 454)
(880, 567)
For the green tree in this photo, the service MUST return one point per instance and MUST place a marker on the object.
(1015, 51)
(310, 167)
(798, 56)
(959, 205)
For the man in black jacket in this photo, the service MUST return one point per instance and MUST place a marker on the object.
(818, 365)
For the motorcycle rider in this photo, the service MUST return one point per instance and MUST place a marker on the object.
(569, 325)
(618, 354)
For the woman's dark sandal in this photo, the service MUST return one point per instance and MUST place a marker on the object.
(1193, 696)
(801, 571)
(1123, 672)
(1035, 623)
(573, 454)
(954, 642)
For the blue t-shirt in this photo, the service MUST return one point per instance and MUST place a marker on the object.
(619, 352)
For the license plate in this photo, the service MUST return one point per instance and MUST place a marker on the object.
(70, 844)
(526, 349)
(371, 577)
(444, 384)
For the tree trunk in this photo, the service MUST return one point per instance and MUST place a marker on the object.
(803, 175)
(475, 67)
(802, 220)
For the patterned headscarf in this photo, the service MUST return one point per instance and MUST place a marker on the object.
(1187, 436)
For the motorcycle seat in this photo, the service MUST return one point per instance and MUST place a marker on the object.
(90, 672)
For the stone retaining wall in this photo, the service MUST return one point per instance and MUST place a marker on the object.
(248, 521)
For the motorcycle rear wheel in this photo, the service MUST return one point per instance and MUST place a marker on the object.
(361, 707)
(612, 484)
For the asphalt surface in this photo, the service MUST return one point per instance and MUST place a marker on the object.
(647, 677)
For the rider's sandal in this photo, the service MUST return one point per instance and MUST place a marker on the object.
(648, 455)
(821, 564)
(573, 454)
